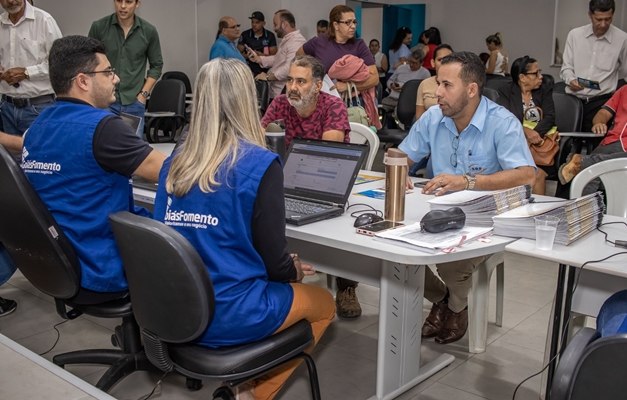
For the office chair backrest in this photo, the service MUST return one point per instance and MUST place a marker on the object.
(559, 87)
(181, 76)
(169, 96)
(491, 94)
(32, 237)
(592, 368)
(613, 174)
(168, 282)
(496, 81)
(548, 79)
(406, 108)
(263, 95)
(379, 92)
(568, 112)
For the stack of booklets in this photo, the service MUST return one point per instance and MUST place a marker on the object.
(577, 218)
(413, 237)
(481, 206)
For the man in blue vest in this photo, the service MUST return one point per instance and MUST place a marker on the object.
(79, 157)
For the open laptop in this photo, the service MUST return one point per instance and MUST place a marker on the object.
(318, 177)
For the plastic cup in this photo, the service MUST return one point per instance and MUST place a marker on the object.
(546, 228)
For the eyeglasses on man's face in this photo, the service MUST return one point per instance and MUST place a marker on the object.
(109, 73)
(349, 22)
(234, 26)
(455, 145)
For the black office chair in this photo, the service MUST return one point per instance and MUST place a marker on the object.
(263, 96)
(165, 111)
(559, 87)
(46, 257)
(592, 368)
(405, 112)
(174, 302)
(491, 94)
(181, 76)
(568, 118)
(548, 79)
(496, 81)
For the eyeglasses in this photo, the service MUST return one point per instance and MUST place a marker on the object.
(536, 73)
(349, 22)
(109, 72)
(455, 145)
(234, 26)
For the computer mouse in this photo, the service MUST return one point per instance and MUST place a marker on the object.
(365, 219)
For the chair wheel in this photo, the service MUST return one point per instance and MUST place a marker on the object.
(223, 393)
(193, 384)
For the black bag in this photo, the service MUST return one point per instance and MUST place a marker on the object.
(442, 220)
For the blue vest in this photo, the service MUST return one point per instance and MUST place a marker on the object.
(58, 160)
(249, 307)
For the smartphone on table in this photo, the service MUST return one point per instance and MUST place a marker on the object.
(381, 226)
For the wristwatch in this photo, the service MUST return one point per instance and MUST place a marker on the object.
(471, 181)
(145, 94)
(26, 74)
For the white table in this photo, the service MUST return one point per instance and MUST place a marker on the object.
(332, 246)
(165, 148)
(26, 375)
(597, 281)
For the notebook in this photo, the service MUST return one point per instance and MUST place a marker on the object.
(318, 177)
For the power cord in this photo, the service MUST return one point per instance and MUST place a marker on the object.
(58, 337)
(565, 328)
(155, 390)
(369, 209)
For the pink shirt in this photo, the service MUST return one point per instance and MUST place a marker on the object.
(617, 105)
(280, 62)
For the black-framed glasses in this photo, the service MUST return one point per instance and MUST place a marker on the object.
(109, 72)
(234, 26)
(536, 73)
(349, 22)
(455, 145)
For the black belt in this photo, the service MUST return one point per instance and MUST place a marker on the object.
(586, 100)
(21, 103)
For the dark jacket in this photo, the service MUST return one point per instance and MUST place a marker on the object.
(510, 97)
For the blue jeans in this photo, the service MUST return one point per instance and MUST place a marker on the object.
(138, 109)
(7, 266)
(612, 318)
(16, 120)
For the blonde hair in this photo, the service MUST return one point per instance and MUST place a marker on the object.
(224, 112)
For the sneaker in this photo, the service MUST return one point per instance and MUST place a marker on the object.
(347, 303)
(7, 306)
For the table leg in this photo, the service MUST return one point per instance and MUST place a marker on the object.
(400, 323)
(555, 333)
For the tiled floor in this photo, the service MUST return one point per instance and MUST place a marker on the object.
(346, 356)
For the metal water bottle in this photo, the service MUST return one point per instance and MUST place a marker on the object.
(395, 182)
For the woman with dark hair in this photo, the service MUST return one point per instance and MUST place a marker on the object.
(497, 63)
(399, 49)
(431, 39)
(531, 102)
(381, 61)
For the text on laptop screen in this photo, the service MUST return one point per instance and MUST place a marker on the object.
(319, 169)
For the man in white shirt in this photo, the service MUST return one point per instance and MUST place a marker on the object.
(404, 73)
(26, 36)
(284, 26)
(597, 52)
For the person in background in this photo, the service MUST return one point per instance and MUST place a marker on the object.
(431, 40)
(399, 49)
(474, 145)
(380, 60)
(426, 98)
(523, 97)
(340, 41)
(130, 42)
(322, 27)
(285, 28)
(225, 45)
(225, 170)
(497, 63)
(260, 40)
(403, 74)
(26, 36)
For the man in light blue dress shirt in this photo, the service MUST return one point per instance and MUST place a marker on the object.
(474, 144)
(225, 45)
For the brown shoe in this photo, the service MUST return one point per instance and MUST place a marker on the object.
(435, 320)
(454, 327)
(568, 171)
(347, 303)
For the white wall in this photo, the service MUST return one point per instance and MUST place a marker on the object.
(371, 21)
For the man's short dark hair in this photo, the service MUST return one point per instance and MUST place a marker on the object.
(473, 70)
(602, 6)
(323, 23)
(285, 15)
(70, 56)
(317, 69)
(440, 47)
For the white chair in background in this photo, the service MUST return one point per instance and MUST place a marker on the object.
(362, 134)
(613, 174)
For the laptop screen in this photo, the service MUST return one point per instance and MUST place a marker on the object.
(322, 170)
(131, 120)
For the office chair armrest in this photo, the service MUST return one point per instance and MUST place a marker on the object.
(63, 312)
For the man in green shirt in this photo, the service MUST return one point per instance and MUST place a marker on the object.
(130, 41)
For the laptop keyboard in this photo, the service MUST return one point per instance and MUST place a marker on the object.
(304, 207)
